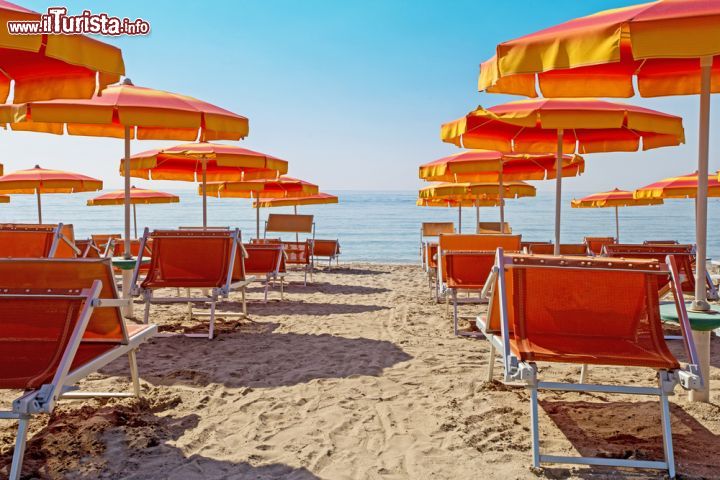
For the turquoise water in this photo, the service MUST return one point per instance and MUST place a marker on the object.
(381, 226)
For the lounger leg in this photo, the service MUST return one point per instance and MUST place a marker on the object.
(20, 442)
(244, 303)
(189, 306)
(211, 332)
(146, 315)
(667, 430)
(456, 328)
(132, 359)
(583, 373)
(491, 364)
(534, 426)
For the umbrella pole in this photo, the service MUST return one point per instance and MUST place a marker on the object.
(617, 226)
(257, 219)
(135, 219)
(459, 218)
(297, 236)
(501, 193)
(558, 189)
(37, 190)
(126, 250)
(477, 218)
(700, 302)
(204, 191)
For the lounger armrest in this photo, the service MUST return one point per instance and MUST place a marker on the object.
(689, 378)
(35, 401)
(489, 283)
(111, 302)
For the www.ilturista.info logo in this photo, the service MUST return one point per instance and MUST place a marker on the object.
(58, 22)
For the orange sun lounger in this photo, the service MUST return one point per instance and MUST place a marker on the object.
(429, 233)
(60, 322)
(266, 261)
(596, 244)
(19, 240)
(193, 259)
(684, 256)
(329, 249)
(540, 312)
(565, 249)
(465, 263)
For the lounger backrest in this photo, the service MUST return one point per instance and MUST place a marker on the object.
(493, 227)
(192, 259)
(278, 222)
(476, 242)
(468, 269)
(37, 328)
(432, 250)
(326, 248)
(297, 253)
(565, 249)
(435, 229)
(88, 249)
(579, 310)
(263, 259)
(661, 242)
(21, 242)
(683, 254)
(596, 244)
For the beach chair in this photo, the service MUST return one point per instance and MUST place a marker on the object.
(60, 322)
(526, 246)
(265, 262)
(465, 263)
(661, 242)
(596, 244)
(540, 312)
(209, 260)
(493, 227)
(299, 253)
(429, 233)
(19, 240)
(329, 249)
(684, 257)
(107, 242)
(565, 249)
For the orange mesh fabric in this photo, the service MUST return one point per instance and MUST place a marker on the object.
(476, 242)
(683, 257)
(35, 333)
(262, 259)
(468, 270)
(326, 248)
(432, 255)
(19, 244)
(603, 317)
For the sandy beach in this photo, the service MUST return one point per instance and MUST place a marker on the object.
(355, 376)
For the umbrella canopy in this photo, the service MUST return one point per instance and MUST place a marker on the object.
(684, 186)
(138, 196)
(569, 125)
(614, 199)
(203, 162)
(671, 47)
(317, 199)
(43, 67)
(450, 203)
(36, 181)
(282, 187)
(127, 111)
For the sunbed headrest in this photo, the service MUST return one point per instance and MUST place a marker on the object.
(277, 222)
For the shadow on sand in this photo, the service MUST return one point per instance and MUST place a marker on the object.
(128, 441)
(632, 430)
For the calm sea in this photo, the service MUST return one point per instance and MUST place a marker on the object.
(381, 226)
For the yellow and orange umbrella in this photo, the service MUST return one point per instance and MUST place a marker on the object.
(205, 162)
(494, 166)
(282, 187)
(138, 196)
(614, 199)
(36, 181)
(453, 202)
(684, 186)
(671, 47)
(316, 199)
(43, 67)
(568, 125)
(127, 111)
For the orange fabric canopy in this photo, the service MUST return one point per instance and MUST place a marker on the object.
(283, 187)
(316, 199)
(223, 163)
(150, 114)
(598, 55)
(41, 180)
(684, 186)
(589, 126)
(486, 165)
(613, 198)
(52, 66)
(450, 203)
(138, 196)
(476, 191)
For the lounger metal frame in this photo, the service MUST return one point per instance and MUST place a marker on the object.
(213, 296)
(526, 373)
(43, 399)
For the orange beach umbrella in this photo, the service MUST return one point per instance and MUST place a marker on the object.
(282, 187)
(43, 67)
(684, 186)
(205, 162)
(494, 166)
(36, 181)
(614, 199)
(316, 199)
(127, 111)
(449, 202)
(569, 126)
(671, 47)
(138, 196)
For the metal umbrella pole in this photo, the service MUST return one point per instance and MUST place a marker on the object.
(558, 190)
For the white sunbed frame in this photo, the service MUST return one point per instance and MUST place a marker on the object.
(212, 297)
(526, 373)
(43, 399)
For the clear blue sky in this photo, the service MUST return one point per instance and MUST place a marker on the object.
(351, 92)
